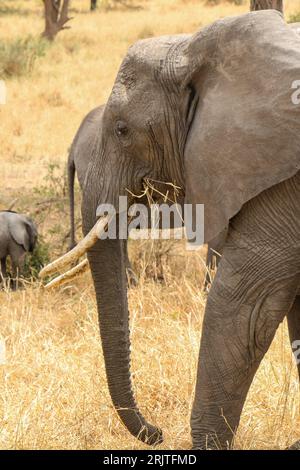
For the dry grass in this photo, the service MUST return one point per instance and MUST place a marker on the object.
(53, 390)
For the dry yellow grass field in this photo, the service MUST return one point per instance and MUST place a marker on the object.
(53, 392)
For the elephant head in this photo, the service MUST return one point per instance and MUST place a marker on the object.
(211, 113)
(23, 231)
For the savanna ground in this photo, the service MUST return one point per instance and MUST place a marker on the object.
(53, 392)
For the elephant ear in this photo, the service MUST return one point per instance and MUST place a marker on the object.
(20, 231)
(245, 135)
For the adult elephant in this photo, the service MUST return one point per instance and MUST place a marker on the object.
(213, 114)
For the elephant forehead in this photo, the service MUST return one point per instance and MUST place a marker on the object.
(153, 49)
(146, 57)
(140, 98)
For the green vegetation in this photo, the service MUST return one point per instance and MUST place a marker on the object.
(18, 57)
(54, 182)
(36, 260)
(294, 18)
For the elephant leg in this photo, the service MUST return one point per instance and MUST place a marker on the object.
(254, 288)
(293, 319)
(17, 263)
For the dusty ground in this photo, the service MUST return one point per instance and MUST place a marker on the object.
(53, 390)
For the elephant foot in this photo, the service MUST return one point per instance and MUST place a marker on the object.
(295, 446)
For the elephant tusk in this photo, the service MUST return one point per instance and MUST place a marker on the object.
(69, 275)
(72, 256)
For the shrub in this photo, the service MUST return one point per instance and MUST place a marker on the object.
(294, 18)
(36, 260)
(18, 57)
(54, 182)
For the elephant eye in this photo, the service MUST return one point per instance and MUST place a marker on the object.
(121, 129)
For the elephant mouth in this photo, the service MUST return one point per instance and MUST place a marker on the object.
(73, 256)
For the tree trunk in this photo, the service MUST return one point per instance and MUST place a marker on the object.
(56, 17)
(266, 5)
(93, 5)
(56, 4)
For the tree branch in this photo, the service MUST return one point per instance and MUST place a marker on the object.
(266, 5)
(56, 17)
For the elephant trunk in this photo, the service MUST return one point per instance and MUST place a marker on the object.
(107, 264)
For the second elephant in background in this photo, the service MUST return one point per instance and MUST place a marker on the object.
(18, 236)
(79, 158)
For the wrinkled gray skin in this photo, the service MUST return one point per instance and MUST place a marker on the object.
(213, 114)
(214, 254)
(79, 158)
(18, 236)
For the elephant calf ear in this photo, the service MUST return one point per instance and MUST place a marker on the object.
(245, 135)
(19, 231)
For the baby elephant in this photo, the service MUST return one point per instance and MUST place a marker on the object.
(18, 235)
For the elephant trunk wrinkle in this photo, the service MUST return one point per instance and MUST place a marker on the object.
(107, 263)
